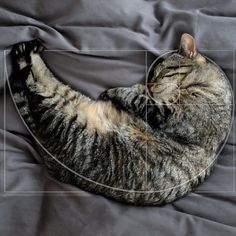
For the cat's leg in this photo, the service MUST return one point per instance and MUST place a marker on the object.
(21, 63)
(40, 79)
(129, 98)
(48, 97)
(136, 100)
(44, 93)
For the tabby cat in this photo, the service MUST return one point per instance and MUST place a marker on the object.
(146, 144)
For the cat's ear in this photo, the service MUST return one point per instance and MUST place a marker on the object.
(187, 46)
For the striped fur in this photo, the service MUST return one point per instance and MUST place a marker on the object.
(145, 145)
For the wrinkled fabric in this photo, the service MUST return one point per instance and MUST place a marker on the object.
(92, 46)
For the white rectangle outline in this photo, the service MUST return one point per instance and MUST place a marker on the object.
(84, 193)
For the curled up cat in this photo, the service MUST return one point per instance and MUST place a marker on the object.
(146, 144)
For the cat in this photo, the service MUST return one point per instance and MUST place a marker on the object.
(146, 144)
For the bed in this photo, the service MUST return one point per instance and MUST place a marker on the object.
(95, 45)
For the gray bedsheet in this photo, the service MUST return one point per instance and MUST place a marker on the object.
(112, 36)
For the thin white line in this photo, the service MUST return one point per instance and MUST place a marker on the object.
(4, 122)
(95, 50)
(202, 104)
(81, 194)
(118, 189)
(84, 193)
(223, 191)
(233, 190)
(40, 194)
(233, 128)
(128, 50)
(107, 50)
(216, 157)
(47, 191)
(146, 119)
(221, 50)
(178, 85)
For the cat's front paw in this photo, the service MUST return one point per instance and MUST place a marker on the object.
(22, 52)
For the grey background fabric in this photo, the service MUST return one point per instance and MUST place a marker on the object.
(110, 35)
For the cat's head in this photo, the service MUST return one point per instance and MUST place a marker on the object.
(197, 94)
(182, 76)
